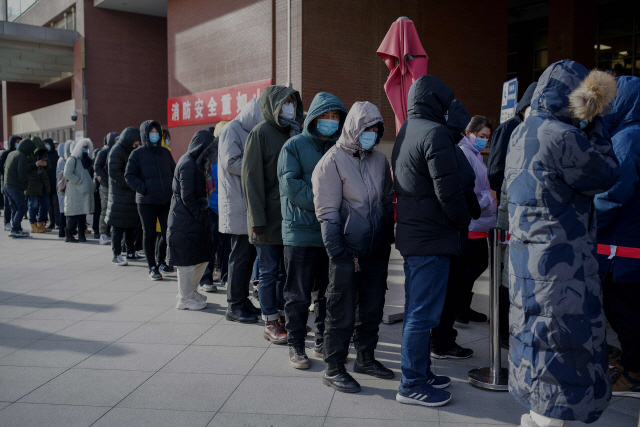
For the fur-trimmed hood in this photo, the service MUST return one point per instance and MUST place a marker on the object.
(67, 149)
(79, 145)
(593, 95)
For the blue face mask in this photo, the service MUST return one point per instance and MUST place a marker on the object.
(368, 140)
(327, 127)
(154, 138)
(167, 142)
(446, 116)
(583, 124)
(480, 144)
(84, 150)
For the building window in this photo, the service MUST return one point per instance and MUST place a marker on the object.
(15, 8)
(541, 53)
(512, 57)
(618, 44)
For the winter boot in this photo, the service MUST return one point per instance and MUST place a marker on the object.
(41, 225)
(36, 229)
(274, 332)
(69, 237)
(367, 364)
(337, 377)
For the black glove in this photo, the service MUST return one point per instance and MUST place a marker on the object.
(203, 203)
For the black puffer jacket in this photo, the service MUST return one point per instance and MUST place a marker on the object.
(53, 161)
(100, 164)
(432, 213)
(122, 210)
(150, 169)
(188, 236)
(3, 157)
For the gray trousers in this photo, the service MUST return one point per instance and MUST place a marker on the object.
(104, 198)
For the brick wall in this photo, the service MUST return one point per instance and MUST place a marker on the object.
(125, 70)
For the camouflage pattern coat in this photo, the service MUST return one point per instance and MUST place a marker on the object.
(558, 360)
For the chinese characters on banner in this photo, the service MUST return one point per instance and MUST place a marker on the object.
(214, 105)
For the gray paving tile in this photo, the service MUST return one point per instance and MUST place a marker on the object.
(165, 299)
(88, 387)
(611, 418)
(100, 297)
(118, 417)
(305, 396)
(11, 346)
(625, 405)
(95, 330)
(125, 285)
(228, 419)
(32, 329)
(198, 392)
(41, 297)
(15, 310)
(166, 333)
(18, 381)
(4, 405)
(128, 313)
(209, 316)
(38, 415)
(132, 357)
(65, 310)
(53, 354)
(377, 400)
(354, 422)
(215, 360)
(275, 362)
(234, 334)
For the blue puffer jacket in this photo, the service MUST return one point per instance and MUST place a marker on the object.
(296, 162)
(558, 360)
(618, 208)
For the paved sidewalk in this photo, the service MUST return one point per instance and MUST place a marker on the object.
(86, 343)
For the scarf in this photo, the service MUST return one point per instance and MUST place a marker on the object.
(87, 163)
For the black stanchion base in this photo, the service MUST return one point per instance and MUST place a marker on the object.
(481, 378)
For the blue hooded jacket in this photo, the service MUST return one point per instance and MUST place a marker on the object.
(296, 162)
(618, 208)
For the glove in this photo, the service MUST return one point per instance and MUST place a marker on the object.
(203, 203)
(258, 231)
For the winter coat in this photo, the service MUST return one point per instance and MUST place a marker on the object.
(38, 175)
(260, 164)
(16, 168)
(3, 158)
(483, 191)
(100, 165)
(78, 193)
(231, 203)
(558, 363)
(298, 158)
(353, 189)
(432, 213)
(188, 235)
(52, 156)
(500, 142)
(150, 169)
(64, 151)
(122, 211)
(618, 208)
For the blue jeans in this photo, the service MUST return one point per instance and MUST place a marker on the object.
(18, 204)
(256, 271)
(38, 207)
(272, 278)
(425, 286)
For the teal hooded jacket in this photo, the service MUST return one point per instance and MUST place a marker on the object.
(296, 162)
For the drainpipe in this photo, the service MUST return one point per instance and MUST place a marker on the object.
(289, 43)
(73, 17)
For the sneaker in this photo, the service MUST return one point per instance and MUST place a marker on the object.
(439, 381)
(424, 395)
(23, 233)
(216, 276)
(625, 383)
(135, 257)
(97, 235)
(198, 296)
(118, 260)
(7, 227)
(140, 254)
(190, 304)
(318, 350)
(455, 352)
(104, 239)
(209, 287)
(166, 269)
(475, 316)
(298, 357)
(154, 274)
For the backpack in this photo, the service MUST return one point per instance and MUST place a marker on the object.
(62, 182)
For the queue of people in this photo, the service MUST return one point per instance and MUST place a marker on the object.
(308, 198)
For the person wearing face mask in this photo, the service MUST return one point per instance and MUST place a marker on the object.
(54, 211)
(282, 111)
(306, 260)
(64, 152)
(150, 173)
(102, 175)
(78, 200)
(39, 188)
(122, 210)
(353, 201)
(12, 146)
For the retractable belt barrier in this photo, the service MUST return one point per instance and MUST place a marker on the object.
(618, 251)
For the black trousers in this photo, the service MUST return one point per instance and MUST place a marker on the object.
(97, 209)
(443, 336)
(77, 220)
(355, 301)
(307, 272)
(207, 277)
(139, 238)
(7, 210)
(54, 209)
(63, 222)
(241, 260)
(149, 216)
(117, 234)
(621, 309)
(476, 261)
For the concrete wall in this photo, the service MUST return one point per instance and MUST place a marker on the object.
(24, 97)
(51, 117)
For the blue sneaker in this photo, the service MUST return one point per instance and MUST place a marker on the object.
(424, 394)
(439, 381)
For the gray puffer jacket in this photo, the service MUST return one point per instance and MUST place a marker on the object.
(353, 189)
(78, 193)
(64, 151)
(232, 207)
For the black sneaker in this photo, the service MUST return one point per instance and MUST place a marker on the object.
(96, 235)
(154, 274)
(455, 352)
(166, 269)
(134, 257)
(298, 357)
(475, 316)
(339, 379)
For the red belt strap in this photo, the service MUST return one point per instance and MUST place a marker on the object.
(478, 235)
(620, 251)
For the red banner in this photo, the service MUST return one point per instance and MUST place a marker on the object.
(213, 105)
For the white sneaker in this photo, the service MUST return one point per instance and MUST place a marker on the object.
(190, 304)
(199, 296)
(119, 260)
(104, 239)
(216, 276)
(7, 227)
(209, 288)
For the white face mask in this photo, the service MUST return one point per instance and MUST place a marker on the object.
(288, 111)
(527, 111)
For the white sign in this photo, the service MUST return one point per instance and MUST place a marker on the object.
(509, 100)
(79, 134)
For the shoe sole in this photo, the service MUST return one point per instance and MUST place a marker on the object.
(279, 342)
(120, 264)
(439, 356)
(156, 279)
(632, 394)
(231, 319)
(382, 377)
(192, 308)
(341, 389)
(409, 401)
(441, 386)
(300, 366)
(317, 355)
